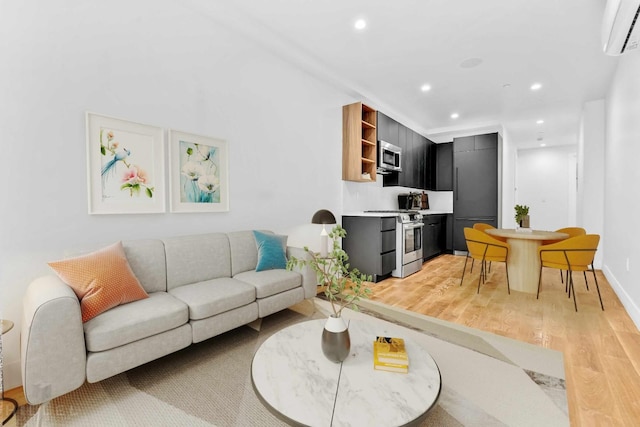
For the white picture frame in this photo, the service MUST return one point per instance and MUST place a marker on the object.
(198, 173)
(125, 166)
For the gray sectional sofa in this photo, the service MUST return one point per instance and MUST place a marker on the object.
(199, 286)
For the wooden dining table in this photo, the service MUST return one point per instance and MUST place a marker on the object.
(523, 263)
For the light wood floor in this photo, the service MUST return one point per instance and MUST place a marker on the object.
(601, 348)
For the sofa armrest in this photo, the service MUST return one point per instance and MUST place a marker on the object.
(309, 278)
(52, 350)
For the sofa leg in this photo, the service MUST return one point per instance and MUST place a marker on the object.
(256, 324)
(306, 307)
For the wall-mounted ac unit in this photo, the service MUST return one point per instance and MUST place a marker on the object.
(620, 26)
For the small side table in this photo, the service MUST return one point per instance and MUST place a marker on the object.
(7, 325)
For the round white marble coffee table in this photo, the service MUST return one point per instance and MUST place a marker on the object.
(296, 382)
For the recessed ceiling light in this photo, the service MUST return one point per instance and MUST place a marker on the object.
(425, 88)
(455, 115)
(360, 24)
(543, 145)
(536, 86)
(539, 122)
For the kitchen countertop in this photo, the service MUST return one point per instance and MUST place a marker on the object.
(383, 214)
(434, 212)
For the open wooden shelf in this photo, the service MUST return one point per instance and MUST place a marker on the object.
(359, 142)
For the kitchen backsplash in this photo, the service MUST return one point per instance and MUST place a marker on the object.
(358, 197)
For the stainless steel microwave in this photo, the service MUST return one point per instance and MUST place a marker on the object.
(389, 157)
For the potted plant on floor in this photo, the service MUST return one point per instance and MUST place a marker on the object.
(342, 286)
(522, 215)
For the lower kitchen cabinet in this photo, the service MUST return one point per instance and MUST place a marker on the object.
(449, 241)
(371, 244)
(434, 234)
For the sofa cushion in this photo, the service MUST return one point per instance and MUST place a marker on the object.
(270, 282)
(244, 253)
(147, 260)
(193, 259)
(101, 280)
(215, 296)
(271, 251)
(131, 322)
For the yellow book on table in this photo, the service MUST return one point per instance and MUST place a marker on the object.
(390, 350)
(392, 367)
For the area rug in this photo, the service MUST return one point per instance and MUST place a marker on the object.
(487, 380)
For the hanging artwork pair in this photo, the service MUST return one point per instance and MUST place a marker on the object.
(126, 169)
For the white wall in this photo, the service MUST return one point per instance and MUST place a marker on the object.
(546, 183)
(590, 205)
(163, 65)
(508, 193)
(622, 178)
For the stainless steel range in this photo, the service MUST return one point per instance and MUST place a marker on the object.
(408, 242)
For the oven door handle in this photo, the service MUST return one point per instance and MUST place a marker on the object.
(413, 225)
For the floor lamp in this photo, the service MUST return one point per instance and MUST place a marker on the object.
(323, 217)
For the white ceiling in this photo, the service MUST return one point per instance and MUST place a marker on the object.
(408, 43)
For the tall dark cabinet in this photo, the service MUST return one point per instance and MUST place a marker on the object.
(475, 184)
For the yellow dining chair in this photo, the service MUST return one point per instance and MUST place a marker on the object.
(484, 248)
(482, 226)
(573, 254)
(572, 232)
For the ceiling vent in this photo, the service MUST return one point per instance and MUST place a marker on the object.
(620, 26)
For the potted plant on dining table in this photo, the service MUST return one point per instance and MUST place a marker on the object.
(342, 286)
(522, 215)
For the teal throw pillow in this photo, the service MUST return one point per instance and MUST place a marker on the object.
(271, 251)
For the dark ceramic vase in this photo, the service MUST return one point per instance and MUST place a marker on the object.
(335, 339)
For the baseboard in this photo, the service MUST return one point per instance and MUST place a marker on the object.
(628, 303)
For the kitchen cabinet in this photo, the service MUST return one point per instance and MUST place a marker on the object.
(359, 143)
(387, 129)
(434, 234)
(449, 234)
(442, 167)
(415, 161)
(475, 184)
(371, 244)
(405, 141)
(426, 162)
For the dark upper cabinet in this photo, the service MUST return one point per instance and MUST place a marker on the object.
(427, 158)
(416, 154)
(402, 135)
(406, 177)
(442, 167)
(486, 142)
(422, 161)
(387, 129)
(466, 143)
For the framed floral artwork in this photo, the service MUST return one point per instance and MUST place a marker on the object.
(199, 173)
(125, 166)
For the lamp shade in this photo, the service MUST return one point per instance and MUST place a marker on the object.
(323, 216)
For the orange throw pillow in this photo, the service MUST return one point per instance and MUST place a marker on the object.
(101, 280)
